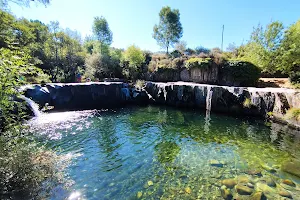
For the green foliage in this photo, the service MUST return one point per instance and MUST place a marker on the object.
(290, 59)
(13, 67)
(139, 84)
(247, 103)
(24, 165)
(133, 58)
(263, 47)
(102, 31)
(201, 49)
(198, 63)
(169, 30)
(99, 66)
(26, 3)
(241, 71)
(56, 52)
(293, 113)
(176, 54)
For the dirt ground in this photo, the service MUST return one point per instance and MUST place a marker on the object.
(275, 82)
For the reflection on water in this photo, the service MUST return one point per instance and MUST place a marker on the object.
(158, 152)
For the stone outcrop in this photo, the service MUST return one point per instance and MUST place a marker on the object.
(225, 98)
(233, 100)
(79, 96)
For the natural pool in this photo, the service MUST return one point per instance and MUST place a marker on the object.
(165, 153)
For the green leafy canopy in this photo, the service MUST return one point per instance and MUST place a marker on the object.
(169, 30)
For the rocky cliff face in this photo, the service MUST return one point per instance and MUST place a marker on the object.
(78, 96)
(233, 100)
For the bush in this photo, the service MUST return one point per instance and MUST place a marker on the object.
(198, 62)
(178, 63)
(293, 113)
(165, 63)
(25, 166)
(139, 84)
(295, 75)
(152, 66)
(245, 73)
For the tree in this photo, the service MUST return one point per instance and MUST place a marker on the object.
(290, 51)
(169, 30)
(201, 49)
(263, 47)
(102, 31)
(133, 58)
(26, 3)
(181, 46)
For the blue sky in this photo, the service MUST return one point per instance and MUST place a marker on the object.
(132, 21)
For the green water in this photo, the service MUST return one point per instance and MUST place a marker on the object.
(162, 153)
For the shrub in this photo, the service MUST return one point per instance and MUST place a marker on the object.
(175, 54)
(25, 166)
(198, 62)
(165, 63)
(159, 56)
(177, 63)
(152, 66)
(139, 84)
(293, 113)
(247, 103)
(295, 75)
(203, 55)
(245, 73)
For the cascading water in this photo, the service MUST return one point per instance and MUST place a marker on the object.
(33, 106)
(208, 98)
(208, 108)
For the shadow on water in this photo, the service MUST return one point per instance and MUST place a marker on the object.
(160, 152)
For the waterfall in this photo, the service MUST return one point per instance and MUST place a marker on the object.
(208, 98)
(208, 108)
(33, 106)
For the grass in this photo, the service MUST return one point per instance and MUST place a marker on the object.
(293, 113)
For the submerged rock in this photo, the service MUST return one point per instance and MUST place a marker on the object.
(243, 190)
(188, 190)
(139, 195)
(226, 193)
(150, 183)
(258, 196)
(268, 191)
(292, 167)
(243, 179)
(268, 168)
(269, 181)
(285, 193)
(216, 163)
(289, 182)
(254, 172)
(230, 183)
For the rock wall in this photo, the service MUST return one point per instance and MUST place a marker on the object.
(233, 100)
(238, 100)
(78, 96)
